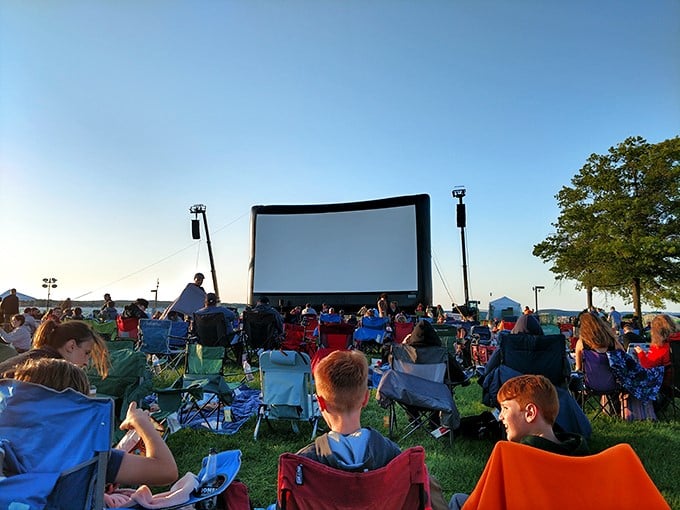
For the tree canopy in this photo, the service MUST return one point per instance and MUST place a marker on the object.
(619, 225)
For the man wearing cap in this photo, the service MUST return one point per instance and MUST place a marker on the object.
(211, 307)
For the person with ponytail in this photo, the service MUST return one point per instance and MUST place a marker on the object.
(75, 341)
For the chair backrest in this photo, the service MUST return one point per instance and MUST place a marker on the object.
(179, 332)
(204, 360)
(330, 318)
(336, 336)
(401, 330)
(128, 380)
(212, 329)
(108, 329)
(154, 336)
(597, 373)
(286, 382)
(540, 355)
(372, 329)
(294, 335)
(261, 330)
(518, 476)
(127, 327)
(310, 323)
(425, 362)
(403, 484)
(674, 367)
(62, 441)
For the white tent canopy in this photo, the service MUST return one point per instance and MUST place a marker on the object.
(504, 306)
(23, 298)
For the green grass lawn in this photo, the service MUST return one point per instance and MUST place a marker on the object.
(457, 466)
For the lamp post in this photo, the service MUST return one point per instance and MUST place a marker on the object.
(49, 284)
(459, 193)
(537, 289)
(196, 234)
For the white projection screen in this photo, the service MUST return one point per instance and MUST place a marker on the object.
(346, 254)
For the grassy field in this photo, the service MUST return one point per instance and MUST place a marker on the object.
(457, 466)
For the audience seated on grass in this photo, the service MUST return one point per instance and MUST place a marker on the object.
(529, 407)
(342, 391)
(73, 341)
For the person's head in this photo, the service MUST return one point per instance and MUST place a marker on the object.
(75, 341)
(527, 324)
(595, 332)
(78, 311)
(662, 327)
(142, 303)
(210, 299)
(57, 374)
(17, 320)
(612, 309)
(28, 310)
(342, 382)
(13, 291)
(198, 279)
(529, 404)
(424, 334)
(107, 297)
(263, 300)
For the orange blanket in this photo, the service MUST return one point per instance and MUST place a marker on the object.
(517, 476)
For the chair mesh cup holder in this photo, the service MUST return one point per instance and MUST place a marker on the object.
(206, 490)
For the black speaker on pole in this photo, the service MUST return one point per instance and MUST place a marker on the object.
(460, 215)
(195, 229)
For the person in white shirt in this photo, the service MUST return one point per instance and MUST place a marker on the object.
(20, 336)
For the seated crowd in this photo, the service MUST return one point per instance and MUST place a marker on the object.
(56, 354)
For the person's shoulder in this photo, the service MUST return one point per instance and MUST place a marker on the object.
(376, 439)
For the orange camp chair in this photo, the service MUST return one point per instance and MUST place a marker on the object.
(305, 484)
(517, 476)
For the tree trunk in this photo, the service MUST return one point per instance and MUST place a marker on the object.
(589, 296)
(636, 298)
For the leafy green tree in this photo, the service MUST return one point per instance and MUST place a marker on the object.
(619, 225)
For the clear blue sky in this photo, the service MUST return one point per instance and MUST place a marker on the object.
(116, 117)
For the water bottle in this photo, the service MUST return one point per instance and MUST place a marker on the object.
(210, 466)
(247, 369)
(156, 364)
(209, 483)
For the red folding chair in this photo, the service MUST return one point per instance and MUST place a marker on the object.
(402, 330)
(304, 484)
(333, 337)
(294, 340)
(128, 327)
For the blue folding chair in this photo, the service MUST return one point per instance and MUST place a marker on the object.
(371, 333)
(56, 446)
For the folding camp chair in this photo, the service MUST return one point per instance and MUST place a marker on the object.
(260, 331)
(294, 340)
(402, 330)
(670, 389)
(200, 395)
(56, 447)
(333, 337)
(417, 382)
(154, 341)
(518, 476)
(128, 380)
(601, 392)
(108, 330)
(310, 323)
(371, 334)
(128, 327)
(403, 484)
(287, 394)
(212, 330)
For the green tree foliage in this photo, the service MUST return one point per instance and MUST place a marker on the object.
(619, 225)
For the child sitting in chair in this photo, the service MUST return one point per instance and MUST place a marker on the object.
(529, 407)
(342, 390)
